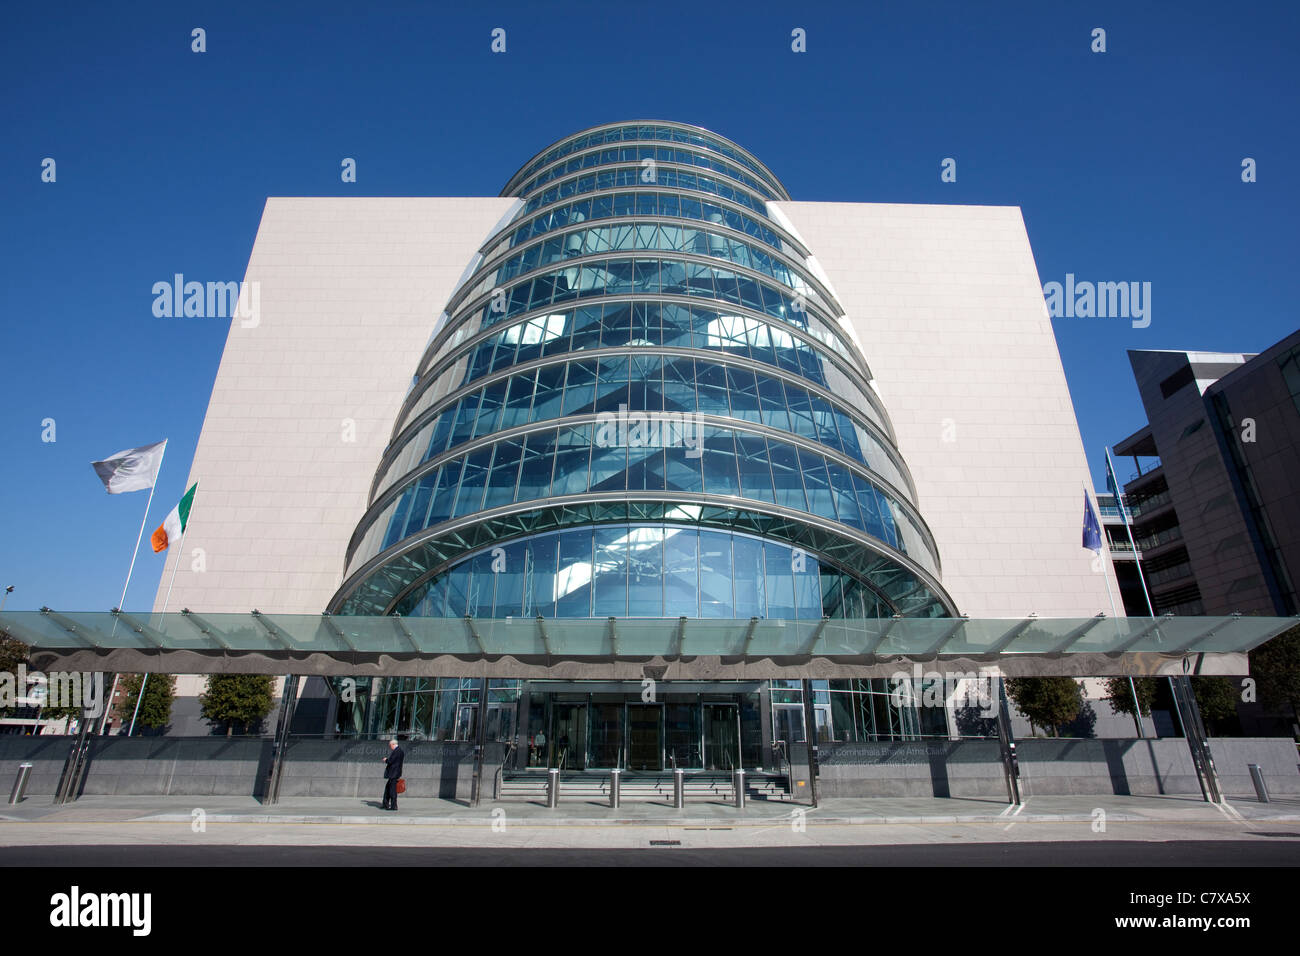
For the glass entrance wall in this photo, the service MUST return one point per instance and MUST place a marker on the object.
(682, 734)
(605, 747)
(859, 710)
(721, 736)
(687, 725)
(568, 737)
(431, 708)
(645, 737)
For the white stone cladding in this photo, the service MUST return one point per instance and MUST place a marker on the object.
(349, 290)
(947, 305)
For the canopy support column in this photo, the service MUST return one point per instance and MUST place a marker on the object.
(480, 743)
(1007, 746)
(1189, 715)
(288, 704)
(810, 735)
(74, 768)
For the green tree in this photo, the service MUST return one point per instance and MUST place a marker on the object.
(1120, 697)
(1046, 701)
(231, 699)
(156, 707)
(12, 653)
(1275, 665)
(1216, 698)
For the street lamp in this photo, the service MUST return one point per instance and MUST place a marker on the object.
(8, 591)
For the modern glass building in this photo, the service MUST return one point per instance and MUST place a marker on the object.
(643, 401)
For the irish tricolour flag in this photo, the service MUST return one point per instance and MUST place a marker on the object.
(172, 529)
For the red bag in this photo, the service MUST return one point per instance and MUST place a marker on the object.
(401, 785)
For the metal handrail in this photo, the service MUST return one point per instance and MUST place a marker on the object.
(783, 757)
(690, 749)
(505, 759)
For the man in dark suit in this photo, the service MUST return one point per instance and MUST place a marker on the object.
(392, 773)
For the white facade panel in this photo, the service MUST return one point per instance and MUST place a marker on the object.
(948, 307)
(305, 398)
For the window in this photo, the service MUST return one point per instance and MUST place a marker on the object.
(1290, 367)
(1180, 379)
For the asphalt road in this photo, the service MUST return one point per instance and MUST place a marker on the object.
(1265, 849)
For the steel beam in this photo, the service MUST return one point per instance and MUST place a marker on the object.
(1007, 747)
(810, 738)
(288, 704)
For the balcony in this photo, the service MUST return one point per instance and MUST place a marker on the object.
(1165, 576)
(1150, 505)
(1140, 478)
(1161, 538)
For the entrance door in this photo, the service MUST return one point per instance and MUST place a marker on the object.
(568, 743)
(645, 749)
(500, 721)
(721, 737)
(787, 723)
(466, 722)
(606, 749)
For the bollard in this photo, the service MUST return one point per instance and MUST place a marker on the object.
(552, 788)
(738, 781)
(1256, 776)
(679, 788)
(615, 788)
(20, 782)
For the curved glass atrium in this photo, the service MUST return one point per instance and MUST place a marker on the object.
(643, 402)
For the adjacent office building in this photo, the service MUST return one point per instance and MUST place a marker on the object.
(1213, 498)
(643, 382)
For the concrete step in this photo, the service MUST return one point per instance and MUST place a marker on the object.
(641, 787)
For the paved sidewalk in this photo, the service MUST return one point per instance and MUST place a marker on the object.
(757, 813)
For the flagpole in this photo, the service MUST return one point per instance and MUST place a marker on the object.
(1123, 513)
(1132, 688)
(1104, 571)
(103, 721)
(180, 548)
(143, 521)
(179, 555)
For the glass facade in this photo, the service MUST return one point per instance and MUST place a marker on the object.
(691, 724)
(642, 402)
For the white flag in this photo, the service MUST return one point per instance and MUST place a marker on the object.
(132, 470)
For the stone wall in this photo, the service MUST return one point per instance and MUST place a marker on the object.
(355, 768)
(973, 768)
(202, 766)
(240, 766)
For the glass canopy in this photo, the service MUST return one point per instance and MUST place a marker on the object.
(622, 638)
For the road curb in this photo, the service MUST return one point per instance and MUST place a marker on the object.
(487, 820)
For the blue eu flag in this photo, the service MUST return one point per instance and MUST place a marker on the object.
(1091, 527)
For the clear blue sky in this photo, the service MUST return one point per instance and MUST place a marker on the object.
(1126, 164)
